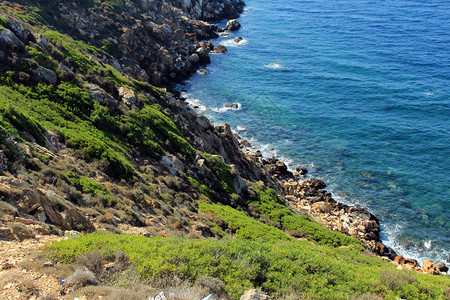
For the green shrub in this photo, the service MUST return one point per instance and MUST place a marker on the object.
(222, 172)
(245, 227)
(272, 206)
(92, 187)
(23, 123)
(77, 51)
(279, 268)
(109, 47)
(42, 59)
(3, 23)
(201, 187)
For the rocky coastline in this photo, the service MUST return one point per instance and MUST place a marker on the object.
(310, 197)
(48, 186)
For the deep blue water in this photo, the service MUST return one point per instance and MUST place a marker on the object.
(359, 93)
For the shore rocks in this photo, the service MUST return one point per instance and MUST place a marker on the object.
(220, 49)
(442, 267)
(233, 25)
(277, 168)
(430, 267)
(232, 105)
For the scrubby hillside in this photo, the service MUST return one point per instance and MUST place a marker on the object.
(91, 141)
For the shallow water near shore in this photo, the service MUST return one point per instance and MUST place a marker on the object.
(357, 92)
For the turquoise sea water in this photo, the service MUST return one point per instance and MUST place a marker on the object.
(359, 93)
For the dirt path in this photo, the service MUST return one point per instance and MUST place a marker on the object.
(19, 282)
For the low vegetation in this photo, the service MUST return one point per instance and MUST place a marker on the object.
(289, 268)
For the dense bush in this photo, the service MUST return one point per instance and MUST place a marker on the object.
(92, 187)
(272, 206)
(222, 172)
(281, 268)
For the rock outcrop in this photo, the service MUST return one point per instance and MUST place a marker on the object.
(255, 295)
(155, 41)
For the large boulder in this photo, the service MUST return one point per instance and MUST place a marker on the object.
(442, 267)
(173, 164)
(76, 221)
(9, 40)
(233, 25)
(430, 267)
(46, 75)
(100, 95)
(128, 96)
(220, 49)
(255, 295)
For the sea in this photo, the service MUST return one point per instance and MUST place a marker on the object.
(357, 91)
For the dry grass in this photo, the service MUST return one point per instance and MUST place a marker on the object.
(28, 288)
(111, 293)
(36, 262)
(367, 296)
(21, 231)
(212, 285)
(81, 278)
(92, 260)
(395, 280)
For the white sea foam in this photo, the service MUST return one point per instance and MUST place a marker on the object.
(429, 92)
(202, 71)
(275, 65)
(196, 104)
(231, 43)
(240, 128)
(227, 107)
(390, 236)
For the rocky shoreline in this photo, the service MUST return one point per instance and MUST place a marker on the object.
(163, 44)
(310, 197)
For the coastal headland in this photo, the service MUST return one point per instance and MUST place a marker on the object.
(102, 158)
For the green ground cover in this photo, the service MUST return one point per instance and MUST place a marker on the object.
(285, 269)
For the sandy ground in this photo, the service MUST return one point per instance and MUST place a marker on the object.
(16, 281)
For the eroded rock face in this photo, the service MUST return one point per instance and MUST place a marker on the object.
(157, 41)
(10, 40)
(76, 221)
